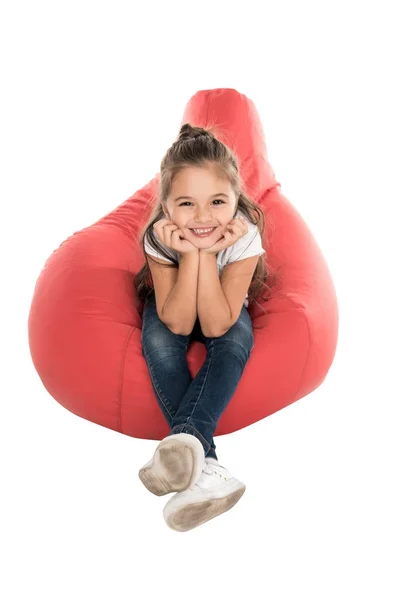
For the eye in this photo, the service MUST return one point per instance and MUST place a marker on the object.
(216, 200)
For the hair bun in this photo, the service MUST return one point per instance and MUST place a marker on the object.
(189, 132)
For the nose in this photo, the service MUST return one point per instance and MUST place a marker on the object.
(203, 218)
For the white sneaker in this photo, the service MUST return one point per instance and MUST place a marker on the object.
(176, 465)
(215, 492)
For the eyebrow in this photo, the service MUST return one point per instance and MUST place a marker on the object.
(190, 197)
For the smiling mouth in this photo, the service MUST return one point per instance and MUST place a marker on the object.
(203, 232)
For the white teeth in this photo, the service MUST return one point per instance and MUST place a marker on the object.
(203, 230)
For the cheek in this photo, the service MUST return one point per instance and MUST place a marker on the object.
(181, 218)
(178, 220)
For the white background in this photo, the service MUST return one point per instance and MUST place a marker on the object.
(92, 94)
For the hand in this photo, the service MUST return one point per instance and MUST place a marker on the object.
(237, 229)
(173, 237)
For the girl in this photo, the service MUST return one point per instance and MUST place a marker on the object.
(203, 248)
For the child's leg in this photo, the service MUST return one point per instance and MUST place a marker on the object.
(214, 385)
(166, 358)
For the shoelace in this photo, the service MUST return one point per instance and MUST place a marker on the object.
(209, 470)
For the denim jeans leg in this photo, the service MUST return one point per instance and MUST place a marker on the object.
(166, 357)
(214, 385)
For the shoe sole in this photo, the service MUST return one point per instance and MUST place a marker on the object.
(192, 515)
(175, 466)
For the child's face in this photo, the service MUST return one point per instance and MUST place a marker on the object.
(212, 203)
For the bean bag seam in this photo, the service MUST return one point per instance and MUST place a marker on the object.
(301, 312)
(121, 377)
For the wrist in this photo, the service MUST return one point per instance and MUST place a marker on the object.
(190, 255)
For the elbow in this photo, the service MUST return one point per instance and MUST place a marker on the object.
(177, 331)
(222, 332)
(180, 330)
(216, 333)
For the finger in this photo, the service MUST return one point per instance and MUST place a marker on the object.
(231, 229)
(158, 232)
(176, 233)
(168, 229)
(174, 239)
(168, 234)
(245, 226)
(239, 221)
(161, 222)
(159, 226)
(238, 228)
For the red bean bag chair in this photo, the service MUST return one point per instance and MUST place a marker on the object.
(85, 327)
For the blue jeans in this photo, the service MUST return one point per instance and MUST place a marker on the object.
(189, 405)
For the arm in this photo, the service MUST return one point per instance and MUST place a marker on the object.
(212, 306)
(179, 310)
(220, 301)
(231, 289)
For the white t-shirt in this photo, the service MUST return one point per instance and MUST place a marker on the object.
(248, 245)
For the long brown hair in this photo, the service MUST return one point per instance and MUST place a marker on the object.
(196, 146)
